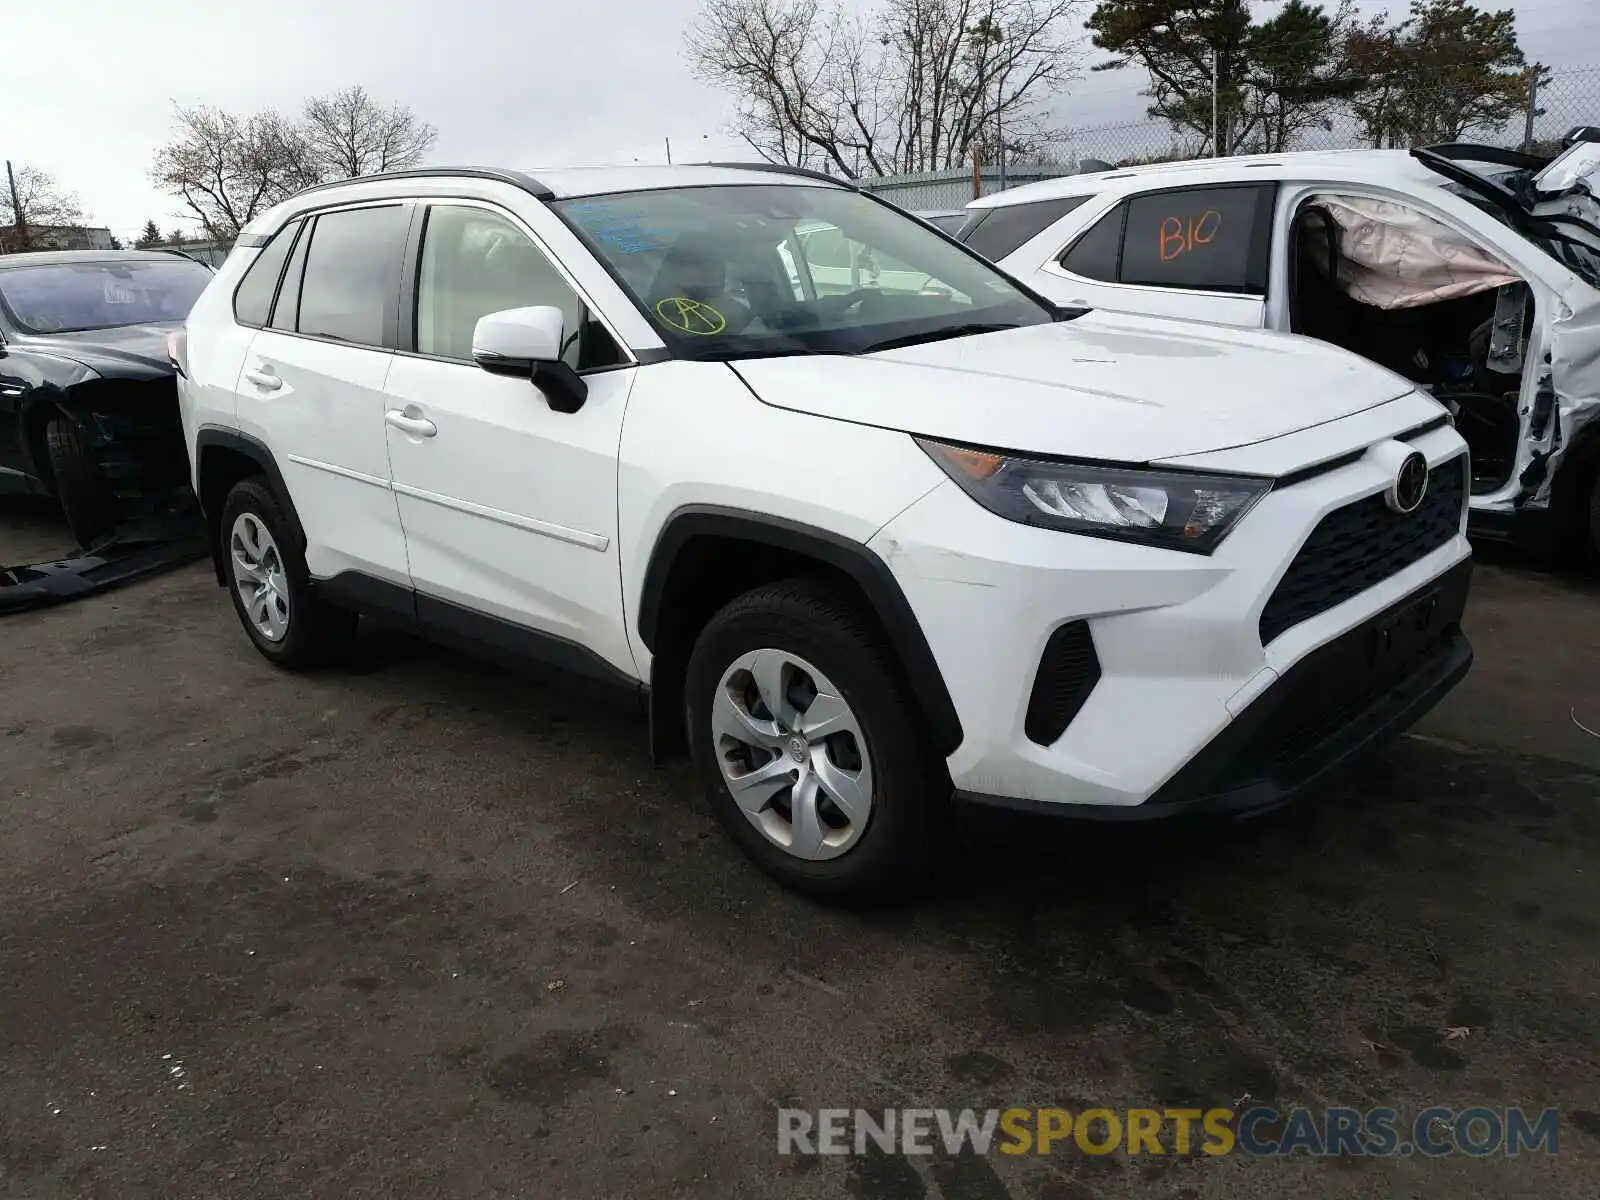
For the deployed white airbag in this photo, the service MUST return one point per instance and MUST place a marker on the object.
(1391, 256)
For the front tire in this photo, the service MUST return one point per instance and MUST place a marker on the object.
(84, 493)
(809, 747)
(285, 619)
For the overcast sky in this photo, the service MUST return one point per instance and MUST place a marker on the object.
(87, 89)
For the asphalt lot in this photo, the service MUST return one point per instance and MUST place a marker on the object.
(419, 927)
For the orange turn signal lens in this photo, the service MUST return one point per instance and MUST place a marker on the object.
(976, 465)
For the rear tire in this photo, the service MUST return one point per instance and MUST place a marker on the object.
(84, 493)
(266, 575)
(839, 795)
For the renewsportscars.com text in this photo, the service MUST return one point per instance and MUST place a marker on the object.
(1261, 1131)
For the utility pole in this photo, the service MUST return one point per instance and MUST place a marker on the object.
(1533, 110)
(1216, 87)
(669, 152)
(16, 209)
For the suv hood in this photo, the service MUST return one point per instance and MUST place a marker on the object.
(126, 352)
(1106, 386)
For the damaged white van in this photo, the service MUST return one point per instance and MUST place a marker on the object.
(1472, 271)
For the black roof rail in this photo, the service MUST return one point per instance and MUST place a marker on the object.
(785, 169)
(516, 179)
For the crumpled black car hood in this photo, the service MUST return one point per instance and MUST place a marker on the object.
(127, 352)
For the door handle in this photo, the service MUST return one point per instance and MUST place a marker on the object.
(415, 426)
(265, 379)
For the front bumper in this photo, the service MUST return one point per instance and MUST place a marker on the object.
(1184, 662)
(1352, 694)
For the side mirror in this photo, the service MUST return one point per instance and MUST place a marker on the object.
(527, 342)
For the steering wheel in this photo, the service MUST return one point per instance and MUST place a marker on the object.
(737, 313)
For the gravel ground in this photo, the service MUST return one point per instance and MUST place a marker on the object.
(419, 927)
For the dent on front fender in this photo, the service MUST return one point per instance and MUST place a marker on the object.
(1566, 404)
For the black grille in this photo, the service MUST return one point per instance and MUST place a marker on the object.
(1068, 671)
(1362, 544)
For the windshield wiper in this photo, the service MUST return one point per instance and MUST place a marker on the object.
(760, 352)
(938, 335)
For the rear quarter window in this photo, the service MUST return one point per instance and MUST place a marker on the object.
(252, 300)
(1094, 255)
(1007, 227)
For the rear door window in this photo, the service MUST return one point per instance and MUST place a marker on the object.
(1215, 239)
(351, 281)
(1212, 239)
(1008, 227)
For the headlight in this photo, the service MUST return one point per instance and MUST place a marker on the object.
(1178, 510)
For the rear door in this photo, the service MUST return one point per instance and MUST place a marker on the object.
(1195, 253)
(312, 387)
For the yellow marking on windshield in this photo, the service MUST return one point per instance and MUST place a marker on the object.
(691, 316)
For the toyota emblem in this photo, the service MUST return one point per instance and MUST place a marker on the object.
(1410, 484)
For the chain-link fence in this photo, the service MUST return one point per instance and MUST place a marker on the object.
(1534, 117)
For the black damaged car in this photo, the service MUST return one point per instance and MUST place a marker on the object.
(88, 407)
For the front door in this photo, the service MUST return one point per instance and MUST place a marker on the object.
(509, 507)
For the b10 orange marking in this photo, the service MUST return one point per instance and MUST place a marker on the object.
(1178, 237)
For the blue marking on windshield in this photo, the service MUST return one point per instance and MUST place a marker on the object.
(619, 230)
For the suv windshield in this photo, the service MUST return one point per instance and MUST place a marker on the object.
(753, 269)
(72, 297)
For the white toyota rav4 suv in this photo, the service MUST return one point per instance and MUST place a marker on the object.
(864, 551)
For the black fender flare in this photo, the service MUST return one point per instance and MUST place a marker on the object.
(869, 572)
(210, 437)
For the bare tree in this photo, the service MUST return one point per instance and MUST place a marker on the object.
(771, 55)
(228, 168)
(30, 200)
(974, 73)
(913, 85)
(351, 134)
